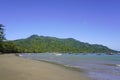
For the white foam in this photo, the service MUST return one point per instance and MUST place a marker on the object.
(20, 55)
(118, 65)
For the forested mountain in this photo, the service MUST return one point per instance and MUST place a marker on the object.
(38, 44)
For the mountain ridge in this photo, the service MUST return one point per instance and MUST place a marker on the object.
(38, 44)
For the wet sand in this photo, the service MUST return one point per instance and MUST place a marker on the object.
(17, 68)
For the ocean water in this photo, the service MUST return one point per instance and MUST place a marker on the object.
(98, 67)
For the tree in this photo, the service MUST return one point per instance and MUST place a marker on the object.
(2, 35)
(9, 47)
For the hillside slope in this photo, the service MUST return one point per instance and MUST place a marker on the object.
(40, 44)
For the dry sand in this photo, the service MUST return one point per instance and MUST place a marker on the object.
(17, 68)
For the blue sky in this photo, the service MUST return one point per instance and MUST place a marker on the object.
(92, 21)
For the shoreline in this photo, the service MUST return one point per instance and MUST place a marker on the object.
(17, 68)
(64, 66)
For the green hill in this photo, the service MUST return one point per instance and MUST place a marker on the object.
(38, 44)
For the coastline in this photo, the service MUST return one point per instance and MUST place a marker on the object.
(17, 68)
(64, 66)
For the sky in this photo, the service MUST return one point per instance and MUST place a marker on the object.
(91, 21)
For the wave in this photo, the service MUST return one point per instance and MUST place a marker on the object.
(118, 65)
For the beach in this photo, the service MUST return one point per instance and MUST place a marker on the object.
(16, 68)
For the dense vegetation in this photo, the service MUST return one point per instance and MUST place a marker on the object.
(6, 46)
(38, 44)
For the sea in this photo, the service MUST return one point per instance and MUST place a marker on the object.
(96, 66)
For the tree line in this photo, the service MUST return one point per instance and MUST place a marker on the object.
(43, 44)
(6, 46)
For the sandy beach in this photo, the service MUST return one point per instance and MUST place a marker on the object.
(17, 68)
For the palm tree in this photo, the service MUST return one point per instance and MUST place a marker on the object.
(2, 36)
